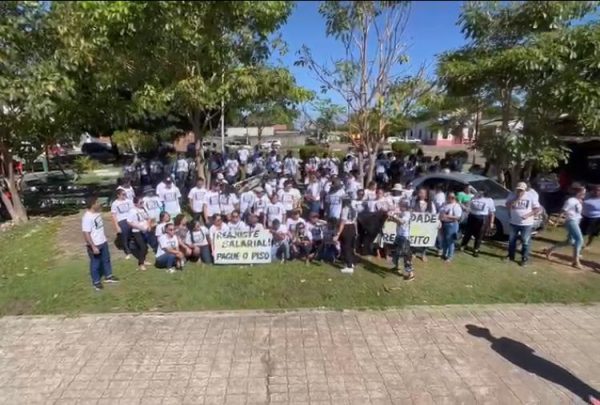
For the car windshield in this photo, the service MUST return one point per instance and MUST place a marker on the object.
(494, 190)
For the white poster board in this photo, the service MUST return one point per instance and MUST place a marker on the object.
(423, 230)
(252, 247)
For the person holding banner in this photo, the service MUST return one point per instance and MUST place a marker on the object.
(402, 241)
(481, 217)
(216, 227)
(450, 215)
(423, 203)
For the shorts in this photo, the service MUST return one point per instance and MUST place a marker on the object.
(590, 226)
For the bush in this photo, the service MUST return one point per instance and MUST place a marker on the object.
(84, 164)
(404, 149)
(462, 155)
(307, 151)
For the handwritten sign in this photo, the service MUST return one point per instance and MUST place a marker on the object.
(423, 230)
(252, 247)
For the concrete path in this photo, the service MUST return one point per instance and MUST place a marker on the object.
(532, 354)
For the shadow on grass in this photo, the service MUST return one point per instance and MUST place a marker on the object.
(525, 358)
(547, 240)
(375, 268)
(594, 266)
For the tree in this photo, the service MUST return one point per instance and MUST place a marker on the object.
(328, 117)
(371, 33)
(183, 57)
(134, 141)
(35, 91)
(504, 59)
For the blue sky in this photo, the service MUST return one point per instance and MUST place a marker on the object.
(431, 30)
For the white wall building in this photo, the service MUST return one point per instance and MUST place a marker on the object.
(251, 132)
(431, 134)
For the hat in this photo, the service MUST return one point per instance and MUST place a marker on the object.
(397, 187)
(521, 186)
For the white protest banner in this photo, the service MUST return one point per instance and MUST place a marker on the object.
(250, 247)
(423, 230)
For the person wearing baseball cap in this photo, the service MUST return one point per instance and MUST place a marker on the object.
(523, 208)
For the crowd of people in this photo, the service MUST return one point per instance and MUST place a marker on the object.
(313, 209)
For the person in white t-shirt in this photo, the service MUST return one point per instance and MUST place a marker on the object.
(170, 196)
(333, 200)
(280, 249)
(572, 212)
(212, 204)
(259, 207)
(217, 226)
(198, 239)
(119, 210)
(168, 255)
(247, 199)
(153, 206)
(294, 220)
(289, 197)
(235, 223)
(275, 211)
(450, 215)
(523, 207)
(402, 241)
(245, 169)
(371, 191)
(182, 169)
(290, 165)
(352, 186)
(312, 195)
(254, 224)
(92, 227)
(301, 243)
(129, 191)
(232, 167)
(229, 201)
(197, 199)
(481, 218)
(439, 197)
(139, 223)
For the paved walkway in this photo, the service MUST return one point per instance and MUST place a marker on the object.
(532, 354)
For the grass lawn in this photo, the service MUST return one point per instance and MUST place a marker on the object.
(43, 270)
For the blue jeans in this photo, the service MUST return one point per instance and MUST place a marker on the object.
(166, 261)
(449, 236)
(100, 263)
(281, 251)
(574, 237)
(205, 254)
(524, 233)
(124, 235)
(402, 250)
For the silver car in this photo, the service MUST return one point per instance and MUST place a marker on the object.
(456, 182)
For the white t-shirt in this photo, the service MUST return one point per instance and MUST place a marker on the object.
(170, 197)
(197, 238)
(246, 201)
(213, 205)
(198, 197)
(213, 231)
(232, 166)
(572, 209)
(285, 234)
(370, 195)
(166, 241)
(92, 223)
(334, 201)
(243, 155)
(523, 206)
(292, 223)
(290, 165)
(439, 200)
(121, 209)
(316, 230)
(352, 188)
(160, 229)
(287, 198)
(228, 203)
(481, 206)
(138, 217)
(256, 227)
(182, 165)
(153, 207)
(275, 211)
(403, 228)
(453, 209)
(240, 226)
(314, 191)
(348, 215)
(260, 204)
(359, 206)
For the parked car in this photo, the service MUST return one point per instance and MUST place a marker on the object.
(268, 145)
(455, 182)
(99, 151)
(236, 145)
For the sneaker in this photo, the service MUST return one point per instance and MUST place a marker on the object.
(143, 268)
(111, 279)
(476, 253)
(347, 270)
(171, 270)
(577, 265)
(409, 276)
(127, 257)
(447, 260)
(508, 259)
(524, 263)
(98, 286)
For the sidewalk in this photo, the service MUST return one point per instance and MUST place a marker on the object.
(546, 354)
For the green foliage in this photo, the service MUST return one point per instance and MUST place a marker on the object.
(404, 148)
(306, 152)
(85, 164)
(134, 141)
(459, 154)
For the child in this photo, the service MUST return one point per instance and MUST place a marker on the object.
(402, 242)
(281, 246)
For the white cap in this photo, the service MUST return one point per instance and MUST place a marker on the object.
(397, 187)
(522, 186)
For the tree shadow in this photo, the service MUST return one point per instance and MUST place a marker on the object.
(545, 239)
(375, 268)
(594, 266)
(524, 357)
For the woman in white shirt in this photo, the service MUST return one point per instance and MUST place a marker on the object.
(198, 239)
(168, 255)
(346, 234)
(571, 211)
(275, 211)
(139, 222)
(120, 210)
(216, 227)
(450, 214)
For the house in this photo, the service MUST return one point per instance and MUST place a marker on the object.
(431, 132)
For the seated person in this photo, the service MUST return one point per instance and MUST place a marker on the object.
(168, 255)
(331, 247)
(182, 231)
(281, 247)
(302, 243)
(198, 240)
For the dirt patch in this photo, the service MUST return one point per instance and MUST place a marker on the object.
(70, 239)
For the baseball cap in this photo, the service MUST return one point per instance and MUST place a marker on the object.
(521, 186)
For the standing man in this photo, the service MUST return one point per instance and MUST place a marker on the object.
(120, 211)
(170, 195)
(197, 199)
(181, 171)
(523, 207)
(243, 155)
(92, 227)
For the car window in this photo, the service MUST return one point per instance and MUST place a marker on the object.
(493, 189)
(432, 182)
(455, 186)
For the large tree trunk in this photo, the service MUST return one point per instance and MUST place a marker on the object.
(13, 204)
(372, 157)
(194, 119)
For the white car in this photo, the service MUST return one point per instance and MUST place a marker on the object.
(457, 181)
(274, 144)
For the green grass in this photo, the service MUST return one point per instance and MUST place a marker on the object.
(35, 278)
